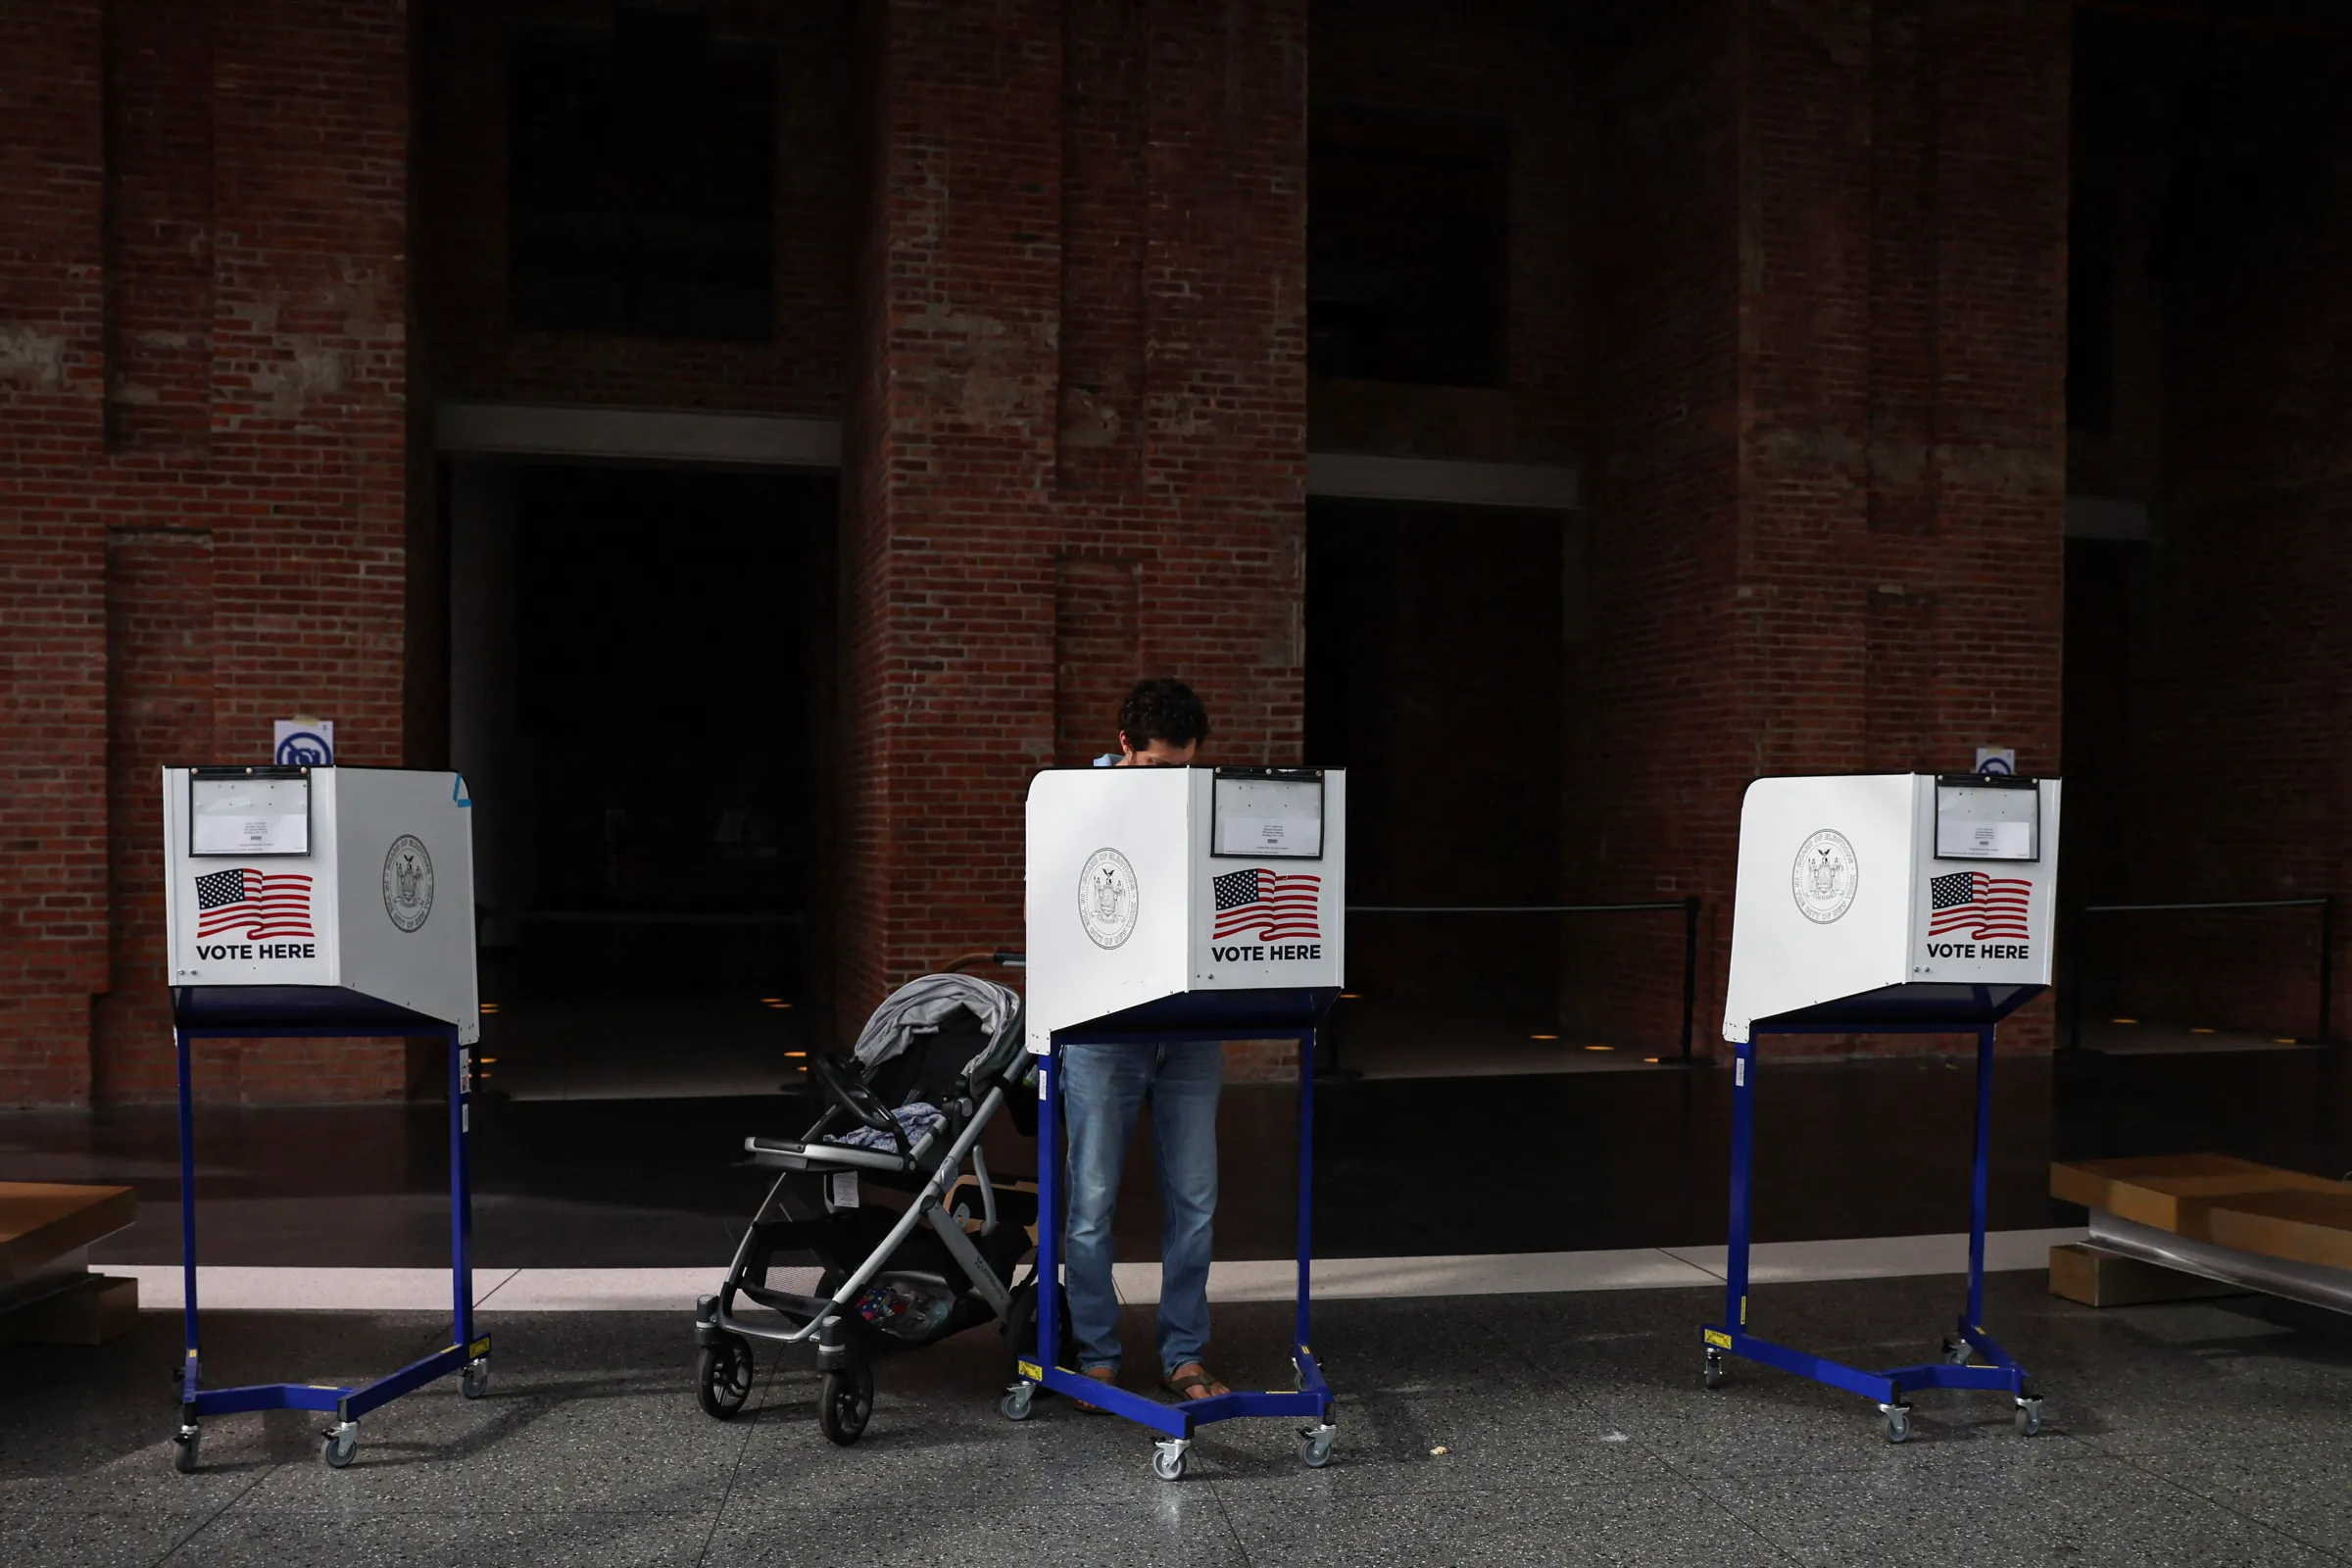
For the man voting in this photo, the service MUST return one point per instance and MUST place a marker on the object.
(1171, 907)
(1105, 1088)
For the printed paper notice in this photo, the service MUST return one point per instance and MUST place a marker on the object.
(1986, 822)
(249, 816)
(1985, 841)
(1270, 835)
(1273, 818)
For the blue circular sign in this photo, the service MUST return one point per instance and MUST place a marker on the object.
(304, 748)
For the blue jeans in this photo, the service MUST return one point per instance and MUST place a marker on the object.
(1103, 1089)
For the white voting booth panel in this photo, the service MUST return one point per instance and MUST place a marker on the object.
(357, 879)
(1914, 888)
(1152, 882)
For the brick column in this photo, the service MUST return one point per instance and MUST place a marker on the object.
(202, 404)
(52, 550)
(1076, 445)
(1827, 489)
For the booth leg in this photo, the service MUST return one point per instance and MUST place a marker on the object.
(1743, 1151)
(1731, 1337)
(1307, 1178)
(1049, 1210)
(1981, 1192)
(190, 1367)
(461, 1219)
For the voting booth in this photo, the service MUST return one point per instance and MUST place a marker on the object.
(1182, 903)
(322, 902)
(1893, 904)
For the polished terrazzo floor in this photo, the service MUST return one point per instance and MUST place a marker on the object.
(1573, 1425)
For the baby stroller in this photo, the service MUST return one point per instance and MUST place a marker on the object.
(935, 1064)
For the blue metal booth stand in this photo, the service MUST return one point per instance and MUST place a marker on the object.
(322, 1012)
(1201, 1016)
(1886, 904)
(1972, 1358)
(299, 903)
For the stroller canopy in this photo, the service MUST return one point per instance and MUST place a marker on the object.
(919, 1007)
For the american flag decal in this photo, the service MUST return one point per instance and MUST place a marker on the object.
(259, 903)
(1274, 906)
(1976, 906)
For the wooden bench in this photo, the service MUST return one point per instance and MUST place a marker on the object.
(47, 1294)
(2232, 1225)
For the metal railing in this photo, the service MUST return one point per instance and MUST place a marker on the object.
(1689, 907)
(2324, 902)
(757, 917)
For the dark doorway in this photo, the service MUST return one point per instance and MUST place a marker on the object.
(1435, 675)
(651, 906)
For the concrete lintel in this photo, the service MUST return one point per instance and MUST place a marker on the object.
(759, 440)
(1357, 476)
(635, 435)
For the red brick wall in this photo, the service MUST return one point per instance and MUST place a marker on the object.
(202, 365)
(1047, 262)
(52, 580)
(471, 352)
(1827, 501)
(161, 696)
(958, 525)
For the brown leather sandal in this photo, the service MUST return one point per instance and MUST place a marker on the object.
(1193, 1381)
(1101, 1374)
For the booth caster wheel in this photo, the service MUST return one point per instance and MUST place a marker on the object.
(722, 1377)
(1314, 1444)
(1711, 1374)
(477, 1377)
(1019, 1402)
(183, 1447)
(1168, 1457)
(342, 1443)
(846, 1402)
(1956, 1353)
(2029, 1414)
(1898, 1421)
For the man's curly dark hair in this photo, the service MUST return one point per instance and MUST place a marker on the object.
(1162, 708)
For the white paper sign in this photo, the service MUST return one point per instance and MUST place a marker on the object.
(1270, 835)
(249, 816)
(1985, 823)
(1985, 841)
(305, 743)
(1996, 759)
(1280, 817)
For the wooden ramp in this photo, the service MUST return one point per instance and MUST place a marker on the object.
(2217, 1207)
(47, 1294)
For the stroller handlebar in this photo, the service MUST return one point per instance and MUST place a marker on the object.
(1002, 957)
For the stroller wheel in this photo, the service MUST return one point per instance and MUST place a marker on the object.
(846, 1402)
(722, 1377)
